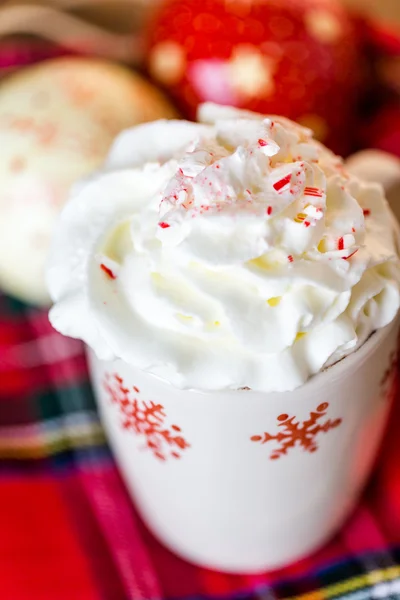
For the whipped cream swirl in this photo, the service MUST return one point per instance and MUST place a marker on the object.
(232, 253)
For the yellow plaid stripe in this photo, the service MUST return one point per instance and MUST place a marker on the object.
(46, 443)
(352, 585)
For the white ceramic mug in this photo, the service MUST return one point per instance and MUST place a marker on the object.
(243, 481)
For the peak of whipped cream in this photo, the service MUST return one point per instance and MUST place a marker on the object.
(232, 253)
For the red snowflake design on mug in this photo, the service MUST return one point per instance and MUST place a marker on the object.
(295, 433)
(146, 419)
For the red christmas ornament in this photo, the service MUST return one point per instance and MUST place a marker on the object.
(383, 131)
(383, 47)
(292, 57)
(381, 125)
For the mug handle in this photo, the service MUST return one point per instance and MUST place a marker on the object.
(380, 167)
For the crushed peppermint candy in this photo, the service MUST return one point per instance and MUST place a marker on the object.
(108, 271)
(279, 185)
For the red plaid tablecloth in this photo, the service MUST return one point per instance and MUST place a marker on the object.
(68, 530)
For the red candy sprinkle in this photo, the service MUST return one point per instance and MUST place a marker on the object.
(307, 223)
(313, 191)
(341, 244)
(108, 271)
(366, 212)
(282, 182)
(164, 225)
(269, 210)
(350, 255)
(290, 258)
(262, 142)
